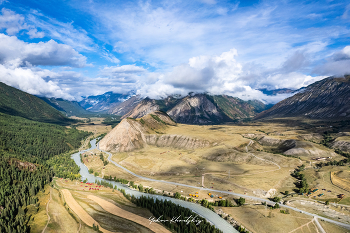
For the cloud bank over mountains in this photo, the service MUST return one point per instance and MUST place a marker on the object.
(161, 48)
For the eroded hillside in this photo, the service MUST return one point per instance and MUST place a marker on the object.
(131, 134)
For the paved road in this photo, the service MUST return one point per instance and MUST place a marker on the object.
(347, 226)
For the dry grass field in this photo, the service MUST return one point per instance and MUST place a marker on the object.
(225, 162)
(225, 156)
(94, 126)
(89, 207)
(321, 179)
(258, 219)
(61, 219)
(341, 179)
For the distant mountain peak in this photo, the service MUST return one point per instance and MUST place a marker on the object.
(328, 98)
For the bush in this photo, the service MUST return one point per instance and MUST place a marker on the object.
(177, 195)
(240, 201)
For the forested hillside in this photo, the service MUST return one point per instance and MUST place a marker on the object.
(69, 108)
(18, 103)
(36, 141)
(30, 155)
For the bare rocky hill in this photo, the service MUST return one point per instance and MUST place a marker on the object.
(131, 134)
(325, 99)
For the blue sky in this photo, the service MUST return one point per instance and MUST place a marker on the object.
(75, 48)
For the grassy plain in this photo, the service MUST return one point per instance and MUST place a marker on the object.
(95, 126)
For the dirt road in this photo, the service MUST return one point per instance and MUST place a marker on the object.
(113, 209)
(47, 212)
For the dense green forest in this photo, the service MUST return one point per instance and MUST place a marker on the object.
(35, 141)
(64, 166)
(19, 183)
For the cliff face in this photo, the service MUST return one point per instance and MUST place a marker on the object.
(131, 134)
(325, 99)
(176, 141)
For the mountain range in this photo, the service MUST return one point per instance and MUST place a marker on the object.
(325, 99)
(191, 109)
(200, 108)
(328, 99)
(104, 102)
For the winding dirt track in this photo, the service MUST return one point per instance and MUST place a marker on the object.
(47, 212)
(113, 209)
(82, 214)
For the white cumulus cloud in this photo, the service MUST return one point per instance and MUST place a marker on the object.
(31, 82)
(15, 51)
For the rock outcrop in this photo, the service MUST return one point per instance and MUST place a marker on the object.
(341, 145)
(131, 134)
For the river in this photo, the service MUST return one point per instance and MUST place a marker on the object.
(209, 215)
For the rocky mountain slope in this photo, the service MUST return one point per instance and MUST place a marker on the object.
(131, 134)
(200, 108)
(126, 106)
(148, 105)
(325, 99)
